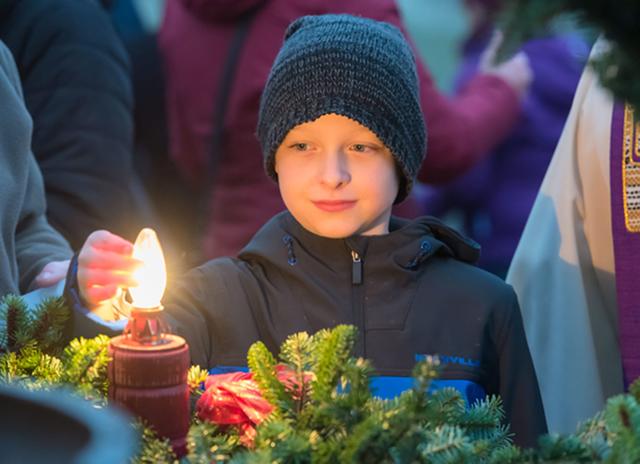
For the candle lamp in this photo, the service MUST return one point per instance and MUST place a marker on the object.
(149, 366)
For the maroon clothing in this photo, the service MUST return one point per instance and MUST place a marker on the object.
(195, 40)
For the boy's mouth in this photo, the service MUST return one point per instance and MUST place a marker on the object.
(333, 206)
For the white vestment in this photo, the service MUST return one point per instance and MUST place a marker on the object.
(563, 269)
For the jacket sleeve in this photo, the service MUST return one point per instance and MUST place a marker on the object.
(36, 242)
(517, 385)
(75, 75)
(464, 128)
(213, 308)
(188, 304)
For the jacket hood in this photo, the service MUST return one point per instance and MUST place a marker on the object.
(221, 10)
(283, 242)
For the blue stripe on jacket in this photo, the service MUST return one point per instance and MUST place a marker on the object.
(387, 387)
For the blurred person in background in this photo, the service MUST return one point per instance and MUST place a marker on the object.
(137, 23)
(492, 202)
(76, 79)
(32, 253)
(217, 57)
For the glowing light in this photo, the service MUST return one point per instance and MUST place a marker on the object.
(152, 275)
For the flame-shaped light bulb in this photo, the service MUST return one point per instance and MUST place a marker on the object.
(152, 275)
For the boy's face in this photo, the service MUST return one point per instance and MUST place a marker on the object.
(337, 178)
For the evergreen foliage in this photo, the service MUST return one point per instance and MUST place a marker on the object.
(32, 352)
(20, 327)
(618, 69)
(154, 450)
(326, 412)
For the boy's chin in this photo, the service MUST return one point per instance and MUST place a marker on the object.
(336, 231)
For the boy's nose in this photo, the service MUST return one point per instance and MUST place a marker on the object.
(334, 170)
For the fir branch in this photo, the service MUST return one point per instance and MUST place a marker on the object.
(9, 367)
(28, 358)
(414, 405)
(153, 450)
(285, 442)
(297, 352)
(634, 389)
(30, 368)
(622, 416)
(49, 321)
(85, 364)
(482, 421)
(425, 372)
(593, 433)
(446, 444)
(555, 447)
(49, 369)
(510, 454)
(446, 406)
(263, 367)
(206, 444)
(261, 456)
(14, 323)
(332, 349)
(369, 441)
(348, 406)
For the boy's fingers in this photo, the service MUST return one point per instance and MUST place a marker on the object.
(105, 240)
(96, 295)
(102, 259)
(105, 277)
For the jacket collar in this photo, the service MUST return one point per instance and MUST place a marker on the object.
(284, 242)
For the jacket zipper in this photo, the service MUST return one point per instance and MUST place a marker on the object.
(357, 302)
(356, 268)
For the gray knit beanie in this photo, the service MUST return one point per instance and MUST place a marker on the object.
(355, 67)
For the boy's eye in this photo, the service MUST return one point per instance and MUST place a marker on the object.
(361, 147)
(300, 146)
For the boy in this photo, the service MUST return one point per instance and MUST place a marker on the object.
(343, 135)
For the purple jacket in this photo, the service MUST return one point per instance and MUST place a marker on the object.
(497, 195)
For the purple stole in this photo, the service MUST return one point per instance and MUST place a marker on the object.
(625, 220)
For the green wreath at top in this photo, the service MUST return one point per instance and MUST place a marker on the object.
(618, 69)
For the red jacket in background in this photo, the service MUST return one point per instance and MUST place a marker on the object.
(194, 41)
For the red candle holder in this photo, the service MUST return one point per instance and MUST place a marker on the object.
(148, 376)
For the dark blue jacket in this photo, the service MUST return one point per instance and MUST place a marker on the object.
(411, 293)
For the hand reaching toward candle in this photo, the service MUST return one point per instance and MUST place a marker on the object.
(52, 273)
(105, 263)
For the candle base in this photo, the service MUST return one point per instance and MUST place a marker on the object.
(150, 381)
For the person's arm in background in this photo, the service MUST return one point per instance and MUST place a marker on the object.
(40, 250)
(462, 129)
(75, 76)
(28, 242)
